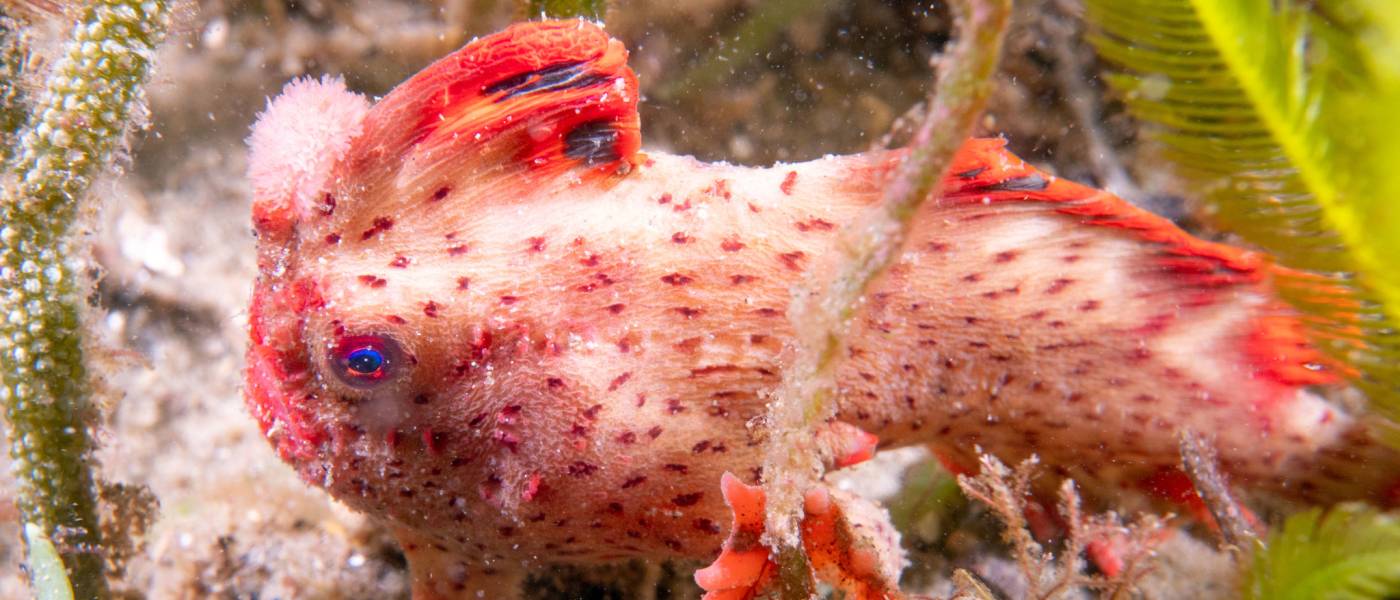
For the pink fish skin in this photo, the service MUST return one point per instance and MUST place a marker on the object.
(486, 317)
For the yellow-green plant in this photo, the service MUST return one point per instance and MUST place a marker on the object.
(1282, 114)
(73, 125)
(1349, 553)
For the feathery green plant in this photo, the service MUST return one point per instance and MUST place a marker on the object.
(1282, 114)
(75, 124)
(1349, 553)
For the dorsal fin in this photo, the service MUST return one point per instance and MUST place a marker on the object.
(539, 96)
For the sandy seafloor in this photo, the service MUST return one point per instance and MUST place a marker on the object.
(174, 247)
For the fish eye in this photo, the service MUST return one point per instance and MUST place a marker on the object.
(363, 361)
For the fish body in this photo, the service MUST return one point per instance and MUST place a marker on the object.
(485, 316)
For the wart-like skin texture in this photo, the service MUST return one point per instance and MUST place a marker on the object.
(577, 337)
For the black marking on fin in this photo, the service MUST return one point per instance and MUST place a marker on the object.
(970, 173)
(1029, 183)
(556, 77)
(592, 143)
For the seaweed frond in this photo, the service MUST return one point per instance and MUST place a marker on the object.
(1351, 552)
(1280, 115)
(76, 123)
(824, 305)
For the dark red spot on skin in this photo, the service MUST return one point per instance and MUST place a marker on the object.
(972, 277)
(634, 482)
(740, 279)
(627, 437)
(654, 432)
(789, 181)
(507, 439)
(757, 338)
(690, 499)
(936, 247)
(618, 381)
(664, 199)
(677, 468)
(700, 446)
(333, 239)
(554, 383)
(995, 294)
(731, 244)
(1073, 258)
(680, 238)
(430, 309)
(1058, 285)
(591, 260)
(399, 262)
(1089, 305)
(689, 345)
(768, 312)
(377, 226)
(719, 188)
(327, 205)
(677, 279)
(582, 469)
(395, 319)
(682, 206)
(688, 312)
(509, 300)
(1007, 256)
(434, 441)
(373, 281)
(793, 260)
(714, 369)
(815, 225)
(674, 407)
(441, 193)
(753, 208)
(464, 283)
(616, 308)
(706, 526)
(458, 250)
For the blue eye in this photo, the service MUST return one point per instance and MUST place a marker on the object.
(364, 360)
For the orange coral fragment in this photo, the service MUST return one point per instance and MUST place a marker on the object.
(840, 551)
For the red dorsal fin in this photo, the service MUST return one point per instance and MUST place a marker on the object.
(539, 96)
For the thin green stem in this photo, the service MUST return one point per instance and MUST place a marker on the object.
(822, 309)
(77, 121)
